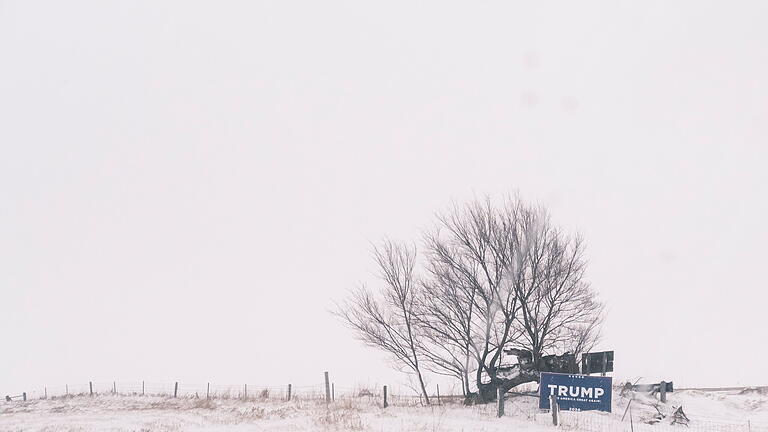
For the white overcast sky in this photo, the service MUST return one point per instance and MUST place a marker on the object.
(187, 187)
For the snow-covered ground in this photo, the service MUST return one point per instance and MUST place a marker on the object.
(709, 411)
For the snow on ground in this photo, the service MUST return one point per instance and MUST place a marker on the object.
(709, 411)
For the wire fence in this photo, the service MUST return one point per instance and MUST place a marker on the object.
(246, 392)
(375, 396)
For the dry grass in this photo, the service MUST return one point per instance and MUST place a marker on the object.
(339, 419)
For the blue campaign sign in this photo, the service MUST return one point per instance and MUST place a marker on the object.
(575, 392)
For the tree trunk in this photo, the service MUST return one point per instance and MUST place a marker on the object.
(486, 392)
(423, 388)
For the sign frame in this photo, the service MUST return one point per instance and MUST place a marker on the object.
(576, 392)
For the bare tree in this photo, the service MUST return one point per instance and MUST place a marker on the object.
(388, 321)
(446, 309)
(470, 290)
(558, 308)
(494, 279)
(505, 277)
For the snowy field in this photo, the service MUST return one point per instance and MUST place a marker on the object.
(709, 411)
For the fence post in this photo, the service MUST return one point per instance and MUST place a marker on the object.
(245, 391)
(208, 391)
(289, 392)
(333, 391)
(663, 392)
(327, 389)
(114, 387)
(553, 408)
(24, 396)
(142, 388)
(500, 398)
(385, 397)
(90, 386)
(438, 394)
(66, 387)
(175, 389)
(45, 392)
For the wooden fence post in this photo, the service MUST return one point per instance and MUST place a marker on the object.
(175, 389)
(663, 392)
(114, 387)
(500, 398)
(245, 391)
(45, 392)
(208, 391)
(90, 386)
(24, 396)
(385, 397)
(553, 408)
(438, 394)
(327, 389)
(289, 392)
(142, 388)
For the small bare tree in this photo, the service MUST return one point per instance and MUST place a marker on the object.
(446, 307)
(388, 321)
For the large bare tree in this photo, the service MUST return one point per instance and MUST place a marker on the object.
(493, 278)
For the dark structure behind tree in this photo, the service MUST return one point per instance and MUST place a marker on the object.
(597, 362)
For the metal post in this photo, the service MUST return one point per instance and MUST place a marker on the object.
(385, 397)
(500, 399)
(175, 389)
(208, 391)
(663, 392)
(90, 386)
(626, 409)
(553, 408)
(327, 389)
